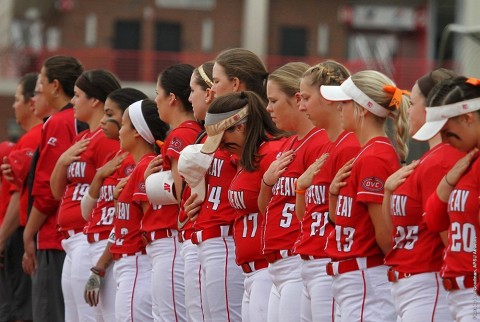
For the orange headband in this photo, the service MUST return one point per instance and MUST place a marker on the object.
(473, 81)
(397, 95)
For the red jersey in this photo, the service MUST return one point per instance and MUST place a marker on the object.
(243, 197)
(5, 186)
(129, 214)
(30, 140)
(57, 136)
(166, 216)
(315, 227)
(80, 174)
(463, 209)
(354, 234)
(282, 227)
(413, 242)
(216, 209)
(101, 218)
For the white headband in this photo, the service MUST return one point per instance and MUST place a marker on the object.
(138, 121)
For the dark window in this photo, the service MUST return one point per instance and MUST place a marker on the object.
(168, 37)
(127, 43)
(293, 41)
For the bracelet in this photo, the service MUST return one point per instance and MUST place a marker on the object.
(100, 272)
(268, 185)
(300, 192)
(445, 177)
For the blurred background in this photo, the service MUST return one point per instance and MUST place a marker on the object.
(136, 39)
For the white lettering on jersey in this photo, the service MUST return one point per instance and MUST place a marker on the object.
(123, 212)
(316, 195)
(236, 199)
(77, 170)
(344, 206)
(52, 141)
(216, 167)
(397, 205)
(106, 193)
(285, 186)
(457, 200)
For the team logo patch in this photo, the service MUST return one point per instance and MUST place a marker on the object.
(52, 141)
(177, 144)
(372, 184)
(128, 169)
(141, 187)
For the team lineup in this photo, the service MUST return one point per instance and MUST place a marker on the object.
(240, 195)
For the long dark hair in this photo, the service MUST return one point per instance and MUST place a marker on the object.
(259, 125)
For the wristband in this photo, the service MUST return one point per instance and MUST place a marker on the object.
(268, 185)
(300, 192)
(100, 272)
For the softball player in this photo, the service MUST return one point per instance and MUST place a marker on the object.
(312, 190)
(141, 126)
(416, 283)
(12, 225)
(98, 206)
(200, 97)
(453, 112)
(277, 194)
(56, 84)
(160, 224)
(222, 280)
(362, 234)
(71, 178)
(230, 122)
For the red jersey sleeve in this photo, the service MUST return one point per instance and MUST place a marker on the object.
(372, 176)
(58, 134)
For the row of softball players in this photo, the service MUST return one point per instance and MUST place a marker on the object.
(379, 235)
(285, 280)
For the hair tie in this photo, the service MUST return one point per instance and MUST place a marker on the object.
(242, 95)
(473, 81)
(397, 95)
(204, 76)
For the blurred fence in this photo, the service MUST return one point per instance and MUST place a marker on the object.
(144, 66)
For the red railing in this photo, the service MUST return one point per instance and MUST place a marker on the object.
(144, 66)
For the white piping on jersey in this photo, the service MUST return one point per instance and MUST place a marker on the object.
(370, 193)
(304, 140)
(433, 151)
(365, 148)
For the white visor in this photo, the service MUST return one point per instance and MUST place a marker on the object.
(437, 117)
(349, 91)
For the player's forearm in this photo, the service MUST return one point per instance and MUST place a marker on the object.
(35, 221)
(106, 258)
(264, 197)
(11, 221)
(300, 206)
(332, 204)
(58, 180)
(386, 207)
